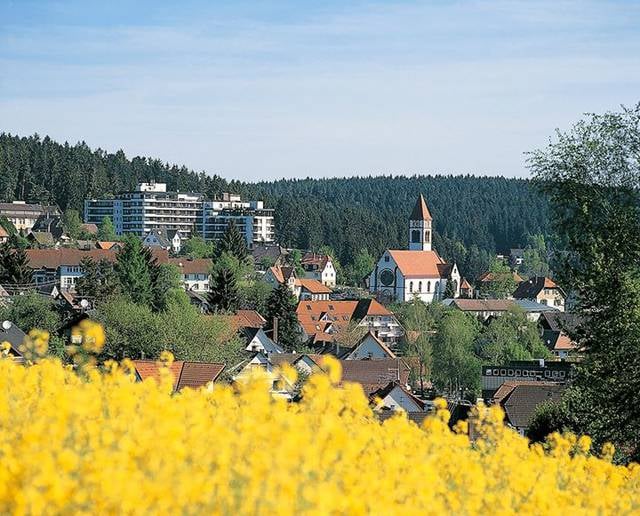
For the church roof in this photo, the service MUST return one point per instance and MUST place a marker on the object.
(420, 210)
(423, 264)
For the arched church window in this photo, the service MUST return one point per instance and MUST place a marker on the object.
(427, 235)
(411, 286)
(428, 286)
(419, 286)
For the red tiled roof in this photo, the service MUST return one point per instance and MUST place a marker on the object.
(338, 314)
(465, 284)
(491, 276)
(3, 232)
(374, 374)
(319, 260)
(564, 343)
(105, 245)
(185, 374)
(418, 264)
(314, 286)
(249, 319)
(195, 266)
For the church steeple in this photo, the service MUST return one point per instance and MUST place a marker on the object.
(420, 227)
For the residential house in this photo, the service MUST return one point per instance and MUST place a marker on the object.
(416, 273)
(24, 216)
(42, 239)
(169, 239)
(4, 236)
(321, 321)
(313, 290)
(554, 327)
(542, 290)
(519, 400)
(261, 363)
(319, 267)
(516, 257)
(257, 340)
(268, 255)
(61, 267)
(369, 347)
(301, 288)
(374, 375)
(194, 375)
(486, 279)
(194, 273)
(396, 396)
(248, 319)
(483, 309)
(493, 376)
(466, 289)
(51, 223)
(201, 302)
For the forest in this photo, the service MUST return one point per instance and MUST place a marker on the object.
(474, 217)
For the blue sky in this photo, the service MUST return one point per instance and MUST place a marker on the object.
(266, 89)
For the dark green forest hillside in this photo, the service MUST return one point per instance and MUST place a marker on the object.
(473, 216)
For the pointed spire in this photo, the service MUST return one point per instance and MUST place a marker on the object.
(420, 210)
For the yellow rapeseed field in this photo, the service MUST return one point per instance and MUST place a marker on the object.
(95, 442)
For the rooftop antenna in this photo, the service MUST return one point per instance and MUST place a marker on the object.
(6, 325)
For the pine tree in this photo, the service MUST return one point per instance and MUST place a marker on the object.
(281, 305)
(233, 242)
(450, 289)
(14, 264)
(133, 270)
(107, 231)
(224, 295)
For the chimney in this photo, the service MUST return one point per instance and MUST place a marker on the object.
(275, 329)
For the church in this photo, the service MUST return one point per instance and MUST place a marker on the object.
(419, 272)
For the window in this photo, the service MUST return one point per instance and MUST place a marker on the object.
(428, 286)
(427, 236)
(415, 236)
(386, 258)
(309, 307)
(419, 286)
(503, 372)
(411, 286)
(331, 308)
(488, 372)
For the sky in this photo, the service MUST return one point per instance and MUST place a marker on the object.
(270, 89)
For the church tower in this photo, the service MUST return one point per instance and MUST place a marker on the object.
(420, 227)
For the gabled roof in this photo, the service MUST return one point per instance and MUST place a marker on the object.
(530, 288)
(313, 286)
(488, 277)
(282, 274)
(315, 259)
(267, 343)
(192, 266)
(365, 337)
(3, 233)
(418, 264)
(13, 335)
(105, 245)
(249, 319)
(42, 238)
(420, 210)
(388, 389)
(185, 374)
(90, 228)
(464, 284)
(520, 399)
(375, 374)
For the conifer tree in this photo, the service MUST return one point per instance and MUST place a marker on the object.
(281, 305)
(224, 295)
(233, 242)
(133, 270)
(14, 263)
(107, 231)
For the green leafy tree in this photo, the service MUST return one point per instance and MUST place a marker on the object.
(511, 337)
(294, 259)
(361, 267)
(107, 231)
(167, 287)
(281, 306)
(502, 283)
(72, 223)
(197, 247)
(99, 280)
(548, 417)
(31, 311)
(133, 271)
(255, 295)
(224, 295)
(7, 225)
(591, 175)
(233, 242)
(456, 368)
(535, 257)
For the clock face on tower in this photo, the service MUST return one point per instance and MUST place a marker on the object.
(386, 277)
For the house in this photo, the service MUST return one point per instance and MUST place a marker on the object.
(4, 236)
(493, 376)
(201, 302)
(257, 340)
(304, 362)
(313, 290)
(23, 216)
(516, 257)
(395, 396)
(50, 223)
(370, 347)
(265, 256)
(61, 267)
(542, 290)
(486, 279)
(41, 239)
(185, 374)
(10, 333)
(519, 400)
(466, 289)
(320, 321)
(301, 288)
(483, 309)
(555, 327)
(279, 385)
(319, 267)
(194, 273)
(374, 375)
(419, 272)
(248, 319)
(169, 239)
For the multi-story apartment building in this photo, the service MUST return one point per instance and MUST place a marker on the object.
(151, 207)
